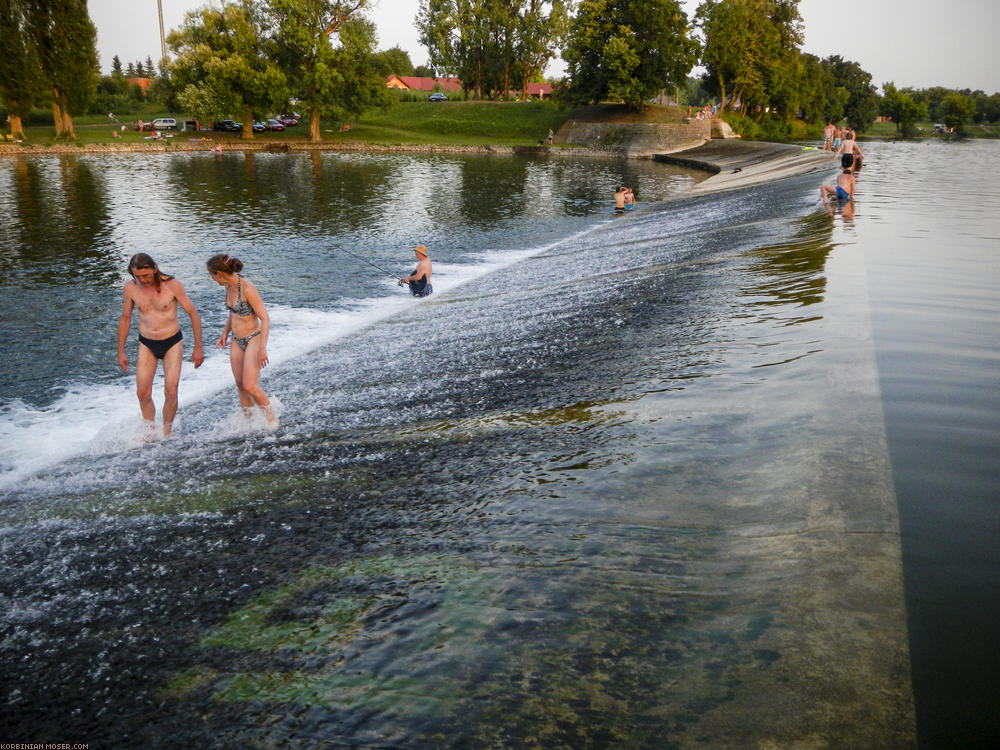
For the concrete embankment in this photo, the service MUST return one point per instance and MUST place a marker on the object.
(738, 164)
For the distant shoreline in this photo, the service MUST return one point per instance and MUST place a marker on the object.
(732, 163)
(183, 145)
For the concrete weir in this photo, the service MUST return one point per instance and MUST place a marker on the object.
(737, 164)
(818, 526)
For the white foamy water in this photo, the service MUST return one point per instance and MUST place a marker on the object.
(93, 419)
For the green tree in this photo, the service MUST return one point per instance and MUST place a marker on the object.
(542, 26)
(932, 98)
(988, 108)
(783, 65)
(861, 106)
(394, 61)
(628, 50)
(224, 64)
(471, 39)
(732, 31)
(902, 108)
(956, 110)
(20, 74)
(751, 53)
(327, 50)
(820, 99)
(65, 42)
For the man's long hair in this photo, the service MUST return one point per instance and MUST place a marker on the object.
(142, 260)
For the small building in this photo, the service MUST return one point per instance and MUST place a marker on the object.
(423, 83)
(540, 90)
(140, 81)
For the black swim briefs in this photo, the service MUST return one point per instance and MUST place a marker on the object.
(159, 347)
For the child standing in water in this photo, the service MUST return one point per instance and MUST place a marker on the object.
(250, 325)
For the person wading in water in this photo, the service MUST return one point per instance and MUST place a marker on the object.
(420, 279)
(156, 295)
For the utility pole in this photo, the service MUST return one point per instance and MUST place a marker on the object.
(163, 39)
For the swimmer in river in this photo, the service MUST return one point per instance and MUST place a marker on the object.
(420, 280)
(250, 325)
(156, 295)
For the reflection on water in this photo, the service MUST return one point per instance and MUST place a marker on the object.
(928, 225)
(603, 495)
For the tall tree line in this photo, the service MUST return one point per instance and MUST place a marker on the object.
(47, 45)
(494, 46)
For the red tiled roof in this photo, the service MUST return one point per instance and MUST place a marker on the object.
(539, 89)
(422, 83)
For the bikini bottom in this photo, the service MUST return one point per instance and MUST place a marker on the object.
(245, 340)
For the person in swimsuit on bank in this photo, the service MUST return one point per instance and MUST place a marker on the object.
(420, 279)
(250, 325)
(156, 296)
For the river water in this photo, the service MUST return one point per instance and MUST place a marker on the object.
(717, 473)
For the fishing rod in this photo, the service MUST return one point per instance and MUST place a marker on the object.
(369, 263)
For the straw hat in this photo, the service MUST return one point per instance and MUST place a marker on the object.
(422, 249)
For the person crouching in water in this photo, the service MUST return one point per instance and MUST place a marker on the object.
(420, 279)
(250, 325)
(843, 190)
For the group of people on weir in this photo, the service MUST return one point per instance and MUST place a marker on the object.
(157, 295)
(843, 143)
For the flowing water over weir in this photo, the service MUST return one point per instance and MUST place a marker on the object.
(629, 488)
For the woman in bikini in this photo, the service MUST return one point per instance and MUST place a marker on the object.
(249, 324)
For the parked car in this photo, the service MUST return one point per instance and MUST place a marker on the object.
(437, 97)
(258, 127)
(164, 123)
(289, 120)
(230, 126)
(274, 125)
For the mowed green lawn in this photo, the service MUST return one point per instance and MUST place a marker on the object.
(457, 123)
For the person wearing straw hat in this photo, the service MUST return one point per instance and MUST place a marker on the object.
(420, 280)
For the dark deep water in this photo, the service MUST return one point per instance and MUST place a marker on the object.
(618, 483)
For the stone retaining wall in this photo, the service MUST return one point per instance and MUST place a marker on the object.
(636, 140)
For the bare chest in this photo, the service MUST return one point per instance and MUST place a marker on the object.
(148, 300)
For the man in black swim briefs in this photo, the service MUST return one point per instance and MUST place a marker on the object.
(156, 296)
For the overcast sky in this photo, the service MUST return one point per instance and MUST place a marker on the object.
(918, 43)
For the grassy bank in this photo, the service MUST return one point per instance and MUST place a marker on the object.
(420, 123)
(926, 130)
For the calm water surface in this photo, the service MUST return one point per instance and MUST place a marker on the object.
(592, 493)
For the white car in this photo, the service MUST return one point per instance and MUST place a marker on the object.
(164, 123)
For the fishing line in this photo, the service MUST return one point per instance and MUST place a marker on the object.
(370, 263)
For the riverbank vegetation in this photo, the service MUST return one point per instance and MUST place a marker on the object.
(459, 123)
(247, 60)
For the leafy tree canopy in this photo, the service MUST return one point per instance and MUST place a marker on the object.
(628, 50)
(225, 66)
(327, 48)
